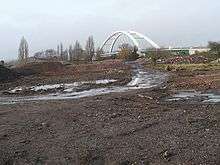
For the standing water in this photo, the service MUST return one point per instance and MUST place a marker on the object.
(141, 80)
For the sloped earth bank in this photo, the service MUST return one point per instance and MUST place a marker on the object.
(138, 126)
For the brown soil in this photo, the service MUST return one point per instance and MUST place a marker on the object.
(136, 127)
(54, 73)
(7, 74)
(200, 80)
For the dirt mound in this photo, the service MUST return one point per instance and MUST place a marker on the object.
(198, 80)
(104, 66)
(40, 68)
(7, 74)
(193, 59)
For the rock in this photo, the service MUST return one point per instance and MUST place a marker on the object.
(25, 141)
(114, 115)
(147, 97)
(167, 155)
(45, 124)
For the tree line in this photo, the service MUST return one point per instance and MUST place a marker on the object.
(74, 53)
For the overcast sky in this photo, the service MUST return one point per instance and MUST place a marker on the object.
(45, 23)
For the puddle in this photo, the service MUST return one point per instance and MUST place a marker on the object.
(65, 87)
(209, 97)
(141, 80)
(15, 90)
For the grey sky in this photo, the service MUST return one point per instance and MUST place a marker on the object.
(45, 23)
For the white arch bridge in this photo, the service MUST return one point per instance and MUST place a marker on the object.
(113, 42)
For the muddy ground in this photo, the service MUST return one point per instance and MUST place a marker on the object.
(54, 72)
(135, 127)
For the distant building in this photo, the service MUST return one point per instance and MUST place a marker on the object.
(188, 51)
(199, 50)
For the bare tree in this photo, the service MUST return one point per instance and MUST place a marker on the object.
(71, 53)
(58, 50)
(125, 50)
(99, 52)
(23, 51)
(66, 55)
(128, 52)
(77, 52)
(90, 49)
(61, 52)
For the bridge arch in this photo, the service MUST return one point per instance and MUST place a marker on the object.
(135, 37)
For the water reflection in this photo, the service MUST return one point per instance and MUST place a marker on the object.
(141, 80)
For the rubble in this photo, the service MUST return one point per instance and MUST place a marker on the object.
(193, 59)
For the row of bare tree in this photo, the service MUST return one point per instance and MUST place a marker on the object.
(74, 53)
(77, 53)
